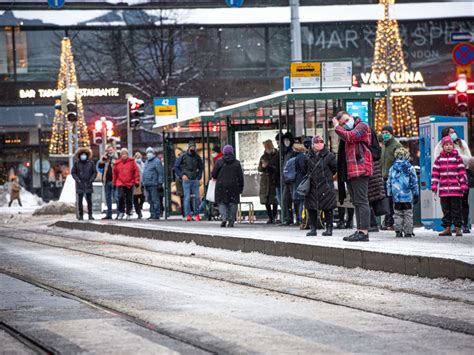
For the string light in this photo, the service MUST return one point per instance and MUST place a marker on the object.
(59, 144)
(388, 58)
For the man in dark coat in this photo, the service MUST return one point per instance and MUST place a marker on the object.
(287, 198)
(84, 173)
(322, 194)
(269, 168)
(229, 185)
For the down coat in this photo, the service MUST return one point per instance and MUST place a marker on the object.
(322, 194)
(449, 175)
(125, 173)
(402, 182)
(269, 177)
(376, 184)
(84, 172)
(230, 179)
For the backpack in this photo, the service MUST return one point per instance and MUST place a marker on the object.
(289, 171)
(374, 146)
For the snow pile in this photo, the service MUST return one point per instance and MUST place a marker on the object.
(55, 208)
(27, 198)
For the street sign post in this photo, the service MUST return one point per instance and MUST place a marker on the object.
(56, 4)
(463, 54)
(166, 107)
(462, 37)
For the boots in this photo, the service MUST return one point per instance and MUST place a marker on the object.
(223, 224)
(349, 224)
(340, 225)
(398, 234)
(80, 217)
(91, 217)
(312, 232)
(328, 232)
(466, 229)
(446, 233)
(458, 231)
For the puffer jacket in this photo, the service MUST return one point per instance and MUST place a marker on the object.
(230, 179)
(358, 155)
(402, 183)
(84, 172)
(388, 155)
(153, 173)
(125, 173)
(376, 184)
(449, 175)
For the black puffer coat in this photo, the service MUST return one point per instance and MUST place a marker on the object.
(230, 179)
(322, 194)
(269, 177)
(376, 184)
(84, 172)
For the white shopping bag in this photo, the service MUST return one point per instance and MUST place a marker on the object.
(211, 191)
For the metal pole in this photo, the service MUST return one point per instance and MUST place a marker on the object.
(280, 159)
(389, 105)
(40, 160)
(69, 140)
(295, 31)
(167, 184)
(129, 131)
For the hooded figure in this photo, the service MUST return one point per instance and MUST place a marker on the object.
(84, 173)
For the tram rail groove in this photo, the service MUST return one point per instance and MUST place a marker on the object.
(109, 310)
(459, 329)
(299, 274)
(27, 340)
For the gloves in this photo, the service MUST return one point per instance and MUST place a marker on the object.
(416, 199)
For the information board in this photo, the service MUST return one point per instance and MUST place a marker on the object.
(337, 74)
(305, 75)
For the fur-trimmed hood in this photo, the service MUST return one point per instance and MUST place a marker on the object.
(83, 150)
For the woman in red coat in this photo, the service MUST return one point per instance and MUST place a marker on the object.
(125, 176)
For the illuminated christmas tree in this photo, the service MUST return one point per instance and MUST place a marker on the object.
(67, 78)
(388, 61)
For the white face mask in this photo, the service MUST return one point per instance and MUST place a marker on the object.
(349, 124)
(286, 142)
(150, 156)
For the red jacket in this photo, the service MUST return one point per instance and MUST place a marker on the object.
(449, 175)
(125, 173)
(358, 155)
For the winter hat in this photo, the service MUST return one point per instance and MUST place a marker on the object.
(307, 142)
(402, 153)
(268, 144)
(150, 150)
(123, 150)
(388, 128)
(317, 138)
(191, 144)
(446, 140)
(228, 150)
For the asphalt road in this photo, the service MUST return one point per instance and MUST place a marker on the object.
(81, 293)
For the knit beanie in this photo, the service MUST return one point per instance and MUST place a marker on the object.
(228, 150)
(150, 150)
(307, 142)
(388, 128)
(123, 150)
(191, 144)
(402, 153)
(317, 138)
(446, 140)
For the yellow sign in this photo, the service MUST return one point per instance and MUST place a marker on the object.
(464, 69)
(301, 70)
(165, 110)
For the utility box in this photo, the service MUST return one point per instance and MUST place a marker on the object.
(430, 135)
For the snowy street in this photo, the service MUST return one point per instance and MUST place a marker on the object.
(76, 291)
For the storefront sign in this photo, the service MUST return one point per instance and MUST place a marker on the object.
(305, 75)
(84, 92)
(398, 80)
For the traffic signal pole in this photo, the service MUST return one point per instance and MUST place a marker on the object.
(129, 128)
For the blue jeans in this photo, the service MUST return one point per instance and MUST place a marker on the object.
(153, 198)
(109, 195)
(191, 187)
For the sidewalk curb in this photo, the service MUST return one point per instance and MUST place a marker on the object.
(431, 267)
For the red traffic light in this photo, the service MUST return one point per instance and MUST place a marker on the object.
(98, 125)
(461, 85)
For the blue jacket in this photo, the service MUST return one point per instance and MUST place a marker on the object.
(300, 174)
(153, 173)
(402, 182)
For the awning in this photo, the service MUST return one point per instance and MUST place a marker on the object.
(204, 116)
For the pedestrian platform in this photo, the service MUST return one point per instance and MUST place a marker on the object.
(425, 255)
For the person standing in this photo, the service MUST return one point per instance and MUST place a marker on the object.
(449, 180)
(106, 165)
(84, 174)
(287, 199)
(463, 149)
(402, 185)
(125, 177)
(268, 167)
(152, 178)
(298, 200)
(216, 153)
(189, 168)
(321, 164)
(356, 168)
(15, 190)
(138, 193)
(390, 144)
(229, 185)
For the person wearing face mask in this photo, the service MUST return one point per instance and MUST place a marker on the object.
(84, 173)
(189, 168)
(355, 167)
(462, 148)
(287, 198)
(322, 194)
(138, 193)
(125, 177)
(268, 168)
(152, 178)
(105, 166)
(390, 144)
(216, 153)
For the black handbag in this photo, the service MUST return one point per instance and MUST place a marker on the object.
(305, 184)
(381, 207)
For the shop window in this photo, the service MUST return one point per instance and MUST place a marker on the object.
(11, 38)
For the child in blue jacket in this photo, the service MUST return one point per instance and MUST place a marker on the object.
(402, 184)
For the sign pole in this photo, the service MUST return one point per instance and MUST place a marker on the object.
(129, 129)
(296, 55)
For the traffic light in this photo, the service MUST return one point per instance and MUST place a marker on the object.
(461, 86)
(109, 126)
(135, 111)
(98, 134)
(69, 103)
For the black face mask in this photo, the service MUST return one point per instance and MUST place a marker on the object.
(192, 152)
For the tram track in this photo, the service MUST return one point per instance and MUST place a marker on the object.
(460, 327)
(30, 342)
